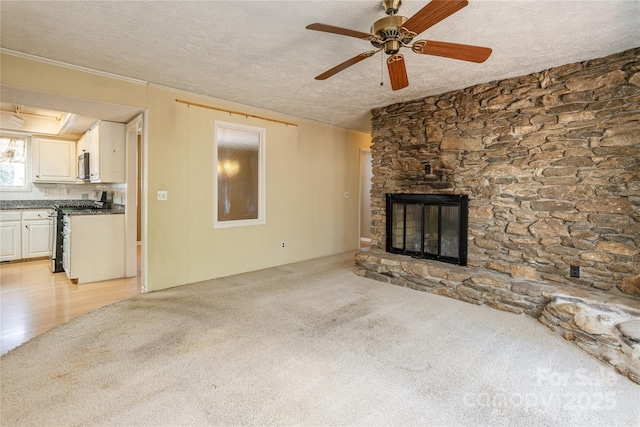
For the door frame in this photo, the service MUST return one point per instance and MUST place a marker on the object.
(132, 129)
(364, 202)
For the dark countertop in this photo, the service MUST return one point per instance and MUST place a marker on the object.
(78, 212)
(39, 204)
(88, 206)
(24, 204)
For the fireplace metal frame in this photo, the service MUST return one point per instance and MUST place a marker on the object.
(462, 201)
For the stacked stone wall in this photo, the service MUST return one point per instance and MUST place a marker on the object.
(550, 162)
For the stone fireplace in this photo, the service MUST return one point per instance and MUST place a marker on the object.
(551, 166)
(432, 226)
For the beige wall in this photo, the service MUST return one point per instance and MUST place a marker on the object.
(44, 77)
(309, 168)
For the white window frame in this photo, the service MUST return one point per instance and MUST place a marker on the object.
(27, 161)
(262, 173)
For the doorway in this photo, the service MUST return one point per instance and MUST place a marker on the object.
(134, 223)
(366, 174)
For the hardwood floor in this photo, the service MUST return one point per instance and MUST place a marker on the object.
(33, 300)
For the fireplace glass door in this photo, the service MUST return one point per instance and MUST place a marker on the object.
(428, 226)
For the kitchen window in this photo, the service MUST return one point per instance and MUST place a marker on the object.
(13, 163)
(239, 175)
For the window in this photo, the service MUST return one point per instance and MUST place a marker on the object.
(239, 180)
(13, 163)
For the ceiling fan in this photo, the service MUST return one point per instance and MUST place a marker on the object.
(394, 32)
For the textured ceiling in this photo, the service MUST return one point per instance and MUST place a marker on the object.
(259, 53)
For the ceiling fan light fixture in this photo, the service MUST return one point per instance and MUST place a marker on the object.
(391, 47)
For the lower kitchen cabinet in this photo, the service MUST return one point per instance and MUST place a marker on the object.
(10, 235)
(93, 247)
(36, 234)
(24, 234)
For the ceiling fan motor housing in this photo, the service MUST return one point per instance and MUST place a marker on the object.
(389, 35)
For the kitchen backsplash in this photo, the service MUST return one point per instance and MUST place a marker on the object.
(119, 193)
(66, 192)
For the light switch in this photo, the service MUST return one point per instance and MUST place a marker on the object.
(163, 196)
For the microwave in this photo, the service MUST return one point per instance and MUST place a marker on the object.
(83, 167)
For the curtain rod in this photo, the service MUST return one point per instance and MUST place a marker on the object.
(195, 104)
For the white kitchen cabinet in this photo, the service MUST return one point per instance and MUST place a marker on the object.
(10, 235)
(106, 141)
(36, 234)
(83, 144)
(54, 160)
(93, 247)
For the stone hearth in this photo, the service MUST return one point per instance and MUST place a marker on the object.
(604, 325)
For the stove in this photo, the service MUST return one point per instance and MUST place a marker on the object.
(56, 215)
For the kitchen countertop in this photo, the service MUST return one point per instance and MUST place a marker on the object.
(88, 211)
(39, 204)
(26, 204)
(47, 204)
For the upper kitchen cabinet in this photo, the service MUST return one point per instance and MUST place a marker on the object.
(54, 160)
(83, 143)
(106, 142)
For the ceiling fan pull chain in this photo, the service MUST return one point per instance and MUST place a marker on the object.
(381, 73)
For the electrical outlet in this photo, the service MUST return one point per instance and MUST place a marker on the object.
(574, 271)
(282, 245)
(163, 196)
(346, 194)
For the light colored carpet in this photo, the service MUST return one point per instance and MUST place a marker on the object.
(309, 343)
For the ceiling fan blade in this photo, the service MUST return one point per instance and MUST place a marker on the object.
(397, 72)
(338, 30)
(464, 52)
(346, 64)
(434, 12)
